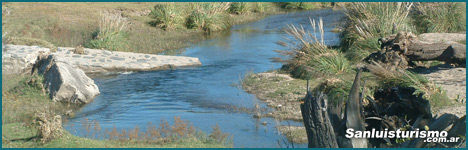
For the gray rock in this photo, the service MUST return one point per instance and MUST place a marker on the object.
(66, 83)
(106, 53)
(442, 37)
(117, 58)
(141, 60)
(15, 61)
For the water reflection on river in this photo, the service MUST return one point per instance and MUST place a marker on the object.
(205, 95)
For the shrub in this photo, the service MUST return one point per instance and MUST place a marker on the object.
(167, 16)
(49, 127)
(111, 34)
(440, 17)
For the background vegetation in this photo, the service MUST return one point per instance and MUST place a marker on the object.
(147, 27)
(312, 60)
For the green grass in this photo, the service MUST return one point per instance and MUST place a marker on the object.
(18, 131)
(261, 7)
(275, 87)
(31, 42)
(73, 24)
(310, 56)
(22, 97)
(440, 17)
(239, 8)
(111, 34)
(302, 5)
(370, 21)
(168, 16)
(207, 19)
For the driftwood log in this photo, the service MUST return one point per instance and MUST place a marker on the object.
(400, 50)
(391, 108)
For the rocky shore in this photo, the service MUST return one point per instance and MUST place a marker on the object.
(65, 71)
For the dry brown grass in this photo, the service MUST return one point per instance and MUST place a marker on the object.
(73, 24)
(165, 133)
(49, 127)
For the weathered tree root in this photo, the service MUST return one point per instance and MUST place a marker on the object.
(393, 108)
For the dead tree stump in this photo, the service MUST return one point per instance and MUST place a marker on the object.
(316, 121)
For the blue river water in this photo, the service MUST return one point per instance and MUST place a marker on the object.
(205, 95)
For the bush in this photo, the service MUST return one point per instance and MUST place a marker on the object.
(111, 34)
(440, 17)
(167, 16)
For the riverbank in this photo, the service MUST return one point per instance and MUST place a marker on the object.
(332, 72)
(23, 100)
(74, 24)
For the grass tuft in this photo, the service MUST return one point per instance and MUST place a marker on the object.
(311, 56)
(370, 21)
(260, 7)
(440, 17)
(167, 16)
(208, 17)
(239, 8)
(111, 34)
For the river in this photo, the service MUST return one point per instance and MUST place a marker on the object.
(205, 95)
